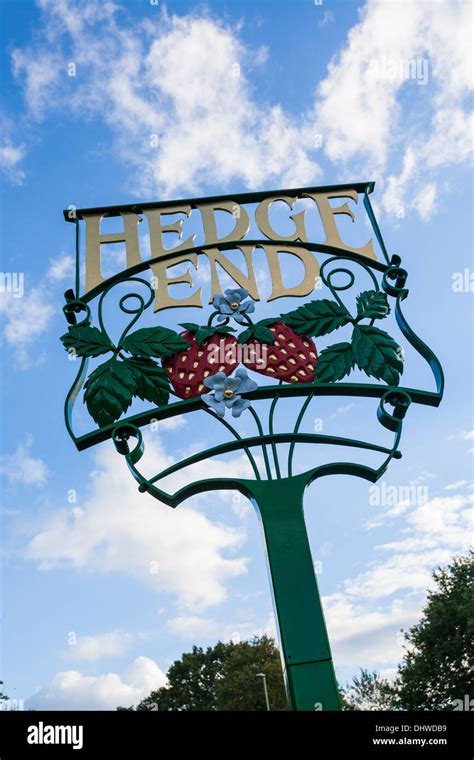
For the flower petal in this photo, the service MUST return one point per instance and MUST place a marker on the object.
(240, 406)
(247, 308)
(232, 383)
(216, 382)
(217, 300)
(235, 294)
(217, 406)
(229, 402)
(247, 384)
(241, 292)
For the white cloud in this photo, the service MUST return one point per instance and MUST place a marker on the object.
(451, 139)
(341, 410)
(42, 73)
(365, 618)
(10, 156)
(405, 571)
(11, 153)
(61, 268)
(429, 42)
(21, 467)
(72, 690)
(177, 97)
(456, 485)
(28, 311)
(120, 530)
(364, 126)
(327, 19)
(195, 628)
(172, 423)
(25, 320)
(98, 647)
(424, 200)
(365, 636)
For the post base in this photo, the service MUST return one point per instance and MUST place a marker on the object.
(307, 663)
(312, 686)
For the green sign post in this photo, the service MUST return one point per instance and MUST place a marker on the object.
(204, 369)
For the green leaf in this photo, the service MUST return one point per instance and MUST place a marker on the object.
(334, 363)
(154, 341)
(202, 333)
(377, 354)
(109, 390)
(151, 380)
(259, 331)
(317, 318)
(206, 332)
(190, 326)
(223, 329)
(87, 341)
(264, 334)
(246, 335)
(372, 304)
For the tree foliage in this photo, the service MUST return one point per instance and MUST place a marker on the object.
(222, 677)
(437, 671)
(438, 666)
(368, 691)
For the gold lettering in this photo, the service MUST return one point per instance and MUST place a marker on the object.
(158, 229)
(242, 224)
(310, 263)
(161, 282)
(94, 239)
(246, 281)
(262, 219)
(328, 212)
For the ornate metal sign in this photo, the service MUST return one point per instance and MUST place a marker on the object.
(212, 367)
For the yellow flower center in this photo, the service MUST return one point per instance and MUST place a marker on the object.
(228, 393)
(234, 305)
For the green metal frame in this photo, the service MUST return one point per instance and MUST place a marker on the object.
(277, 494)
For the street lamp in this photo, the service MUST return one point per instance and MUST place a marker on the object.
(262, 675)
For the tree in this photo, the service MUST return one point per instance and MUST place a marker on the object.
(2, 695)
(223, 677)
(240, 688)
(369, 691)
(191, 681)
(435, 674)
(438, 666)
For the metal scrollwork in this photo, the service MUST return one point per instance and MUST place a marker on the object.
(134, 304)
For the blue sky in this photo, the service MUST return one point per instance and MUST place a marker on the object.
(241, 96)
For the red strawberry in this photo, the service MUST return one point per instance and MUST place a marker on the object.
(211, 350)
(290, 357)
